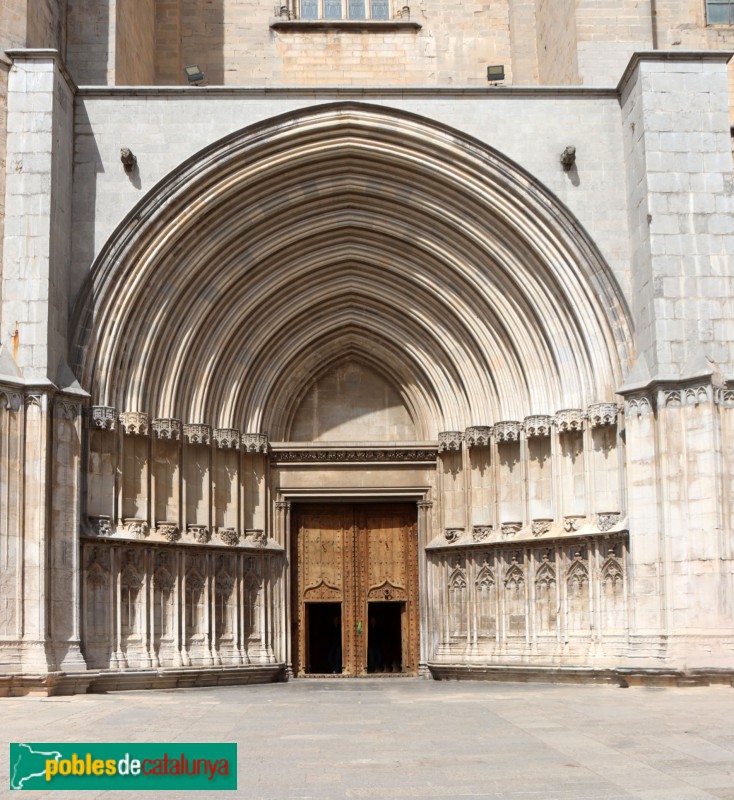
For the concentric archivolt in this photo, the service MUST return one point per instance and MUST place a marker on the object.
(349, 231)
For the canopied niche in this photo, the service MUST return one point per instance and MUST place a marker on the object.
(351, 403)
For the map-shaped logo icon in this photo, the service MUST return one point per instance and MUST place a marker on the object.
(27, 763)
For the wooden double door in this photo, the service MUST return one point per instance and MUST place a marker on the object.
(355, 589)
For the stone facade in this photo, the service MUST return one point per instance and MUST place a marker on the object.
(349, 271)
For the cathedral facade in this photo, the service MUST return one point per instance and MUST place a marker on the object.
(346, 337)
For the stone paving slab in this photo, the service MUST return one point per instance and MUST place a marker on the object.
(370, 738)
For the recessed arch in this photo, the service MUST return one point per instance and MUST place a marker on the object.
(350, 231)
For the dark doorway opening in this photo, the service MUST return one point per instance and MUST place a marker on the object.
(384, 637)
(324, 626)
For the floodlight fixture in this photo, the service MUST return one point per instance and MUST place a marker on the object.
(496, 73)
(194, 74)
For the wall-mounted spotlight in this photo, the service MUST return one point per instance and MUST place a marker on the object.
(129, 159)
(496, 73)
(194, 75)
(568, 157)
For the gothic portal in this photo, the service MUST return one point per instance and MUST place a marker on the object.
(365, 385)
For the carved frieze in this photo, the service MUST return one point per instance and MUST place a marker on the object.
(227, 438)
(507, 431)
(167, 428)
(607, 521)
(102, 418)
(453, 534)
(101, 525)
(480, 533)
(478, 436)
(201, 533)
(569, 420)
(450, 441)
(228, 536)
(169, 531)
(195, 433)
(134, 423)
(511, 529)
(360, 456)
(136, 527)
(538, 425)
(255, 442)
(602, 414)
(541, 527)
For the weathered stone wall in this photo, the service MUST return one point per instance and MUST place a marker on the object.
(681, 24)
(165, 129)
(608, 33)
(557, 42)
(90, 43)
(46, 24)
(234, 44)
(135, 43)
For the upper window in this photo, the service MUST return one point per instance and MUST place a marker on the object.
(345, 9)
(720, 12)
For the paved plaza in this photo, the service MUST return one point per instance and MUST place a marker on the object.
(394, 738)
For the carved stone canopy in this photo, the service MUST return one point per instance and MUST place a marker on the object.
(169, 531)
(511, 528)
(101, 525)
(606, 521)
(102, 418)
(228, 536)
(507, 431)
(197, 434)
(450, 441)
(167, 428)
(134, 423)
(136, 527)
(227, 438)
(255, 538)
(481, 533)
(201, 533)
(538, 425)
(569, 420)
(453, 534)
(255, 442)
(602, 414)
(478, 436)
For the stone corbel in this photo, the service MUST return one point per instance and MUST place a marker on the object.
(134, 423)
(570, 420)
(197, 434)
(603, 414)
(167, 428)
(102, 418)
(255, 443)
(507, 431)
(450, 441)
(478, 436)
(227, 438)
(538, 425)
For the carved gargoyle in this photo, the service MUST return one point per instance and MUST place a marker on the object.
(129, 159)
(568, 157)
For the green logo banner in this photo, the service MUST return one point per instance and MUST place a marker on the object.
(135, 766)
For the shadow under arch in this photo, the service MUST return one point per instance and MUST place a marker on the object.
(341, 226)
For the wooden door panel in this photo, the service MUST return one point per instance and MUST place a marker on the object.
(355, 555)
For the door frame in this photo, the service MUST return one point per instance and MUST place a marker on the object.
(420, 495)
